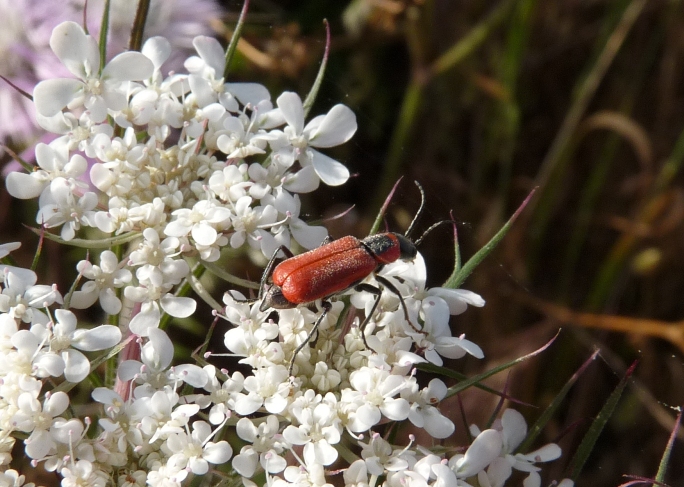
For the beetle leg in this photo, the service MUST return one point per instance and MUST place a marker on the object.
(326, 309)
(388, 284)
(369, 288)
(269, 268)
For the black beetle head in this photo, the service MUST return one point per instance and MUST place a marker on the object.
(407, 248)
(275, 299)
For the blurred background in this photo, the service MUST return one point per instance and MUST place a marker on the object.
(481, 102)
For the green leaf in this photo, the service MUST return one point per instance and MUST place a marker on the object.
(235, 38)
(589, 441)
(460, 275)
(553, 407)
(311, 97)
(474, 381)
(104, 30)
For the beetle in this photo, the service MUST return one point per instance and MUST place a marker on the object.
(335, 267)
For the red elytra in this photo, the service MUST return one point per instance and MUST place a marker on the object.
(335, 267)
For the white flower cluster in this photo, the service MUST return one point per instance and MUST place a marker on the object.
(163, 163)
(342, 391)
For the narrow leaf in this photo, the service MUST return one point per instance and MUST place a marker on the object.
(311, 97)
(230, 51)
(553, 407)
(104, 31)
(478, 378)
(383, 209)
(458, 276)
(662, 468)
(589, 441)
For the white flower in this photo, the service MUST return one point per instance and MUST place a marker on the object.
(33, 416)
(195, 451)
(307, 236)
(269, 387)
(156, 260)
(250, 224)
(54, 162)
(61, 205)
(296, 141)
(82, 473)
(425, 414)
(97, 93)
(231, 183)
(23, 299)
(64, 335)
(105, 278)
(482, 451)
(374, 391)
(11, 478)
(380, 457)
(319, 428)
(152, 371)
(203, 222)
(206, 78)
(267, 444)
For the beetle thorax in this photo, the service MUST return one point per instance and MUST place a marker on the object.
(389, 247)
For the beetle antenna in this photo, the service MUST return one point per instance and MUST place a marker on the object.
(435, 225)
(420, 210)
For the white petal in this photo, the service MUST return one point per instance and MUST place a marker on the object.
(291, 106)
(338, 126)
(307, 236)
(546, 453)
(51, 95)
(217, 453)
(202, 90)
(159, 349)
(396, 409)
(514, 429)
(74, 48)
(204, 234)
(275, 404)
(246, 462)
(24, 186)
(211, 52)
(319, 452)
(191, 374)
(144, 321)
(246, 430)
(533, 480)
(295, 435)
(485, 448)
(57, 403)
(246, 404)
(99, 338)
(157, 49)
(330, 171)
(303, 181)
(110, 302)
(128, 369)
(249, 93)
(436, 425)
(273, 463)
(178, 307)
(77, 365)
(129, 66)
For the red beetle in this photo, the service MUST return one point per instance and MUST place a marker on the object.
(335, 267)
